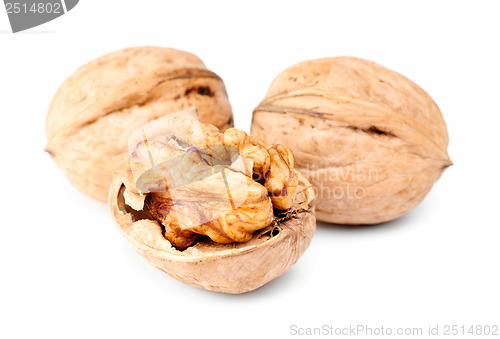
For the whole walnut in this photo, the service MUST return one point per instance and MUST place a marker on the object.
(95, 109)
(371, 141)
(221, 211)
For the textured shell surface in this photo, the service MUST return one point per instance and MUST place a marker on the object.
(103, 102)
(371, 141)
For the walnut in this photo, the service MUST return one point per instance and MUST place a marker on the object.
(222, 211)
(96, 108)
(370, 141)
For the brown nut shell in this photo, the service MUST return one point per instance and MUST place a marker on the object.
(95, 110)
(228, 268)
(371, 141)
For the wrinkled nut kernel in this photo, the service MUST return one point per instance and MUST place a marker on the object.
(95, 109)
(188, 227)
(370, 141)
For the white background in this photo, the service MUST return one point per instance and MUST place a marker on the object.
(67, 273)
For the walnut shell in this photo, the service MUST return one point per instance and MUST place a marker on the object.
(95, 109)
(371, 141)
(229, 268)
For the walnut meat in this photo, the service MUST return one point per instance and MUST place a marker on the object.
(96, 108)
(370, 141)
(222, 211)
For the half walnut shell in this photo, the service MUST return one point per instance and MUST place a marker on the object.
(220, 210)
(229, 268)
